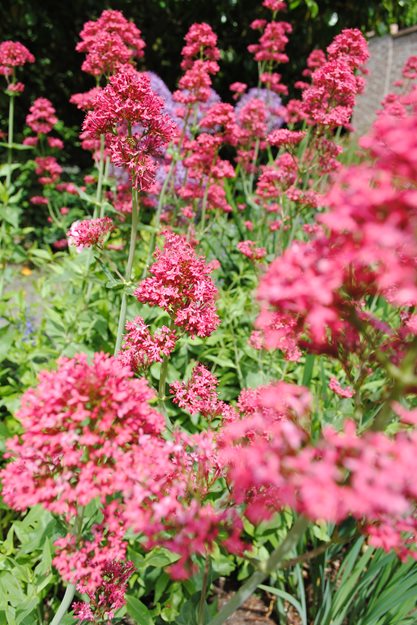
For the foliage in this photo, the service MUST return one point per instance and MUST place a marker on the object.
(254, 419)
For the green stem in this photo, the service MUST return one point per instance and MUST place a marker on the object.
(203, 209)
(52, 215)
(204, 588)
(99, 190)
(70, 589)
(105, 177)
(162, 379)
(161, 392)
(98, 210)
(205, 197)
(164, 188)
(128, 273)
(274, 560)
(10, 141)
(65, 604)
(255, 159)
(314, 553)
(158, 217)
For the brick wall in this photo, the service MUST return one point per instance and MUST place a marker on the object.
(387, 57)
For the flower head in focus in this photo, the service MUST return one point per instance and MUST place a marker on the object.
(180, 284)
(131, 117)
(89, 232)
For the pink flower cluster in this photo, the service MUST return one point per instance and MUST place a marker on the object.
(167, 497)
(89, 232)
(140, 349)
(272, 42)
(206, 171)
(78, 423)
(41, 118)
(87, 561)
(47, 169)
(270, 50)
(13, 54)
(109, 596)
(251, 122)
(273, 464)
(130, 116)
(335, 386)
(85, 101)
(367, 247)
(180, 285)
(278, 332)
(275, 5)
(200, 43)
(90, 434)
(200, 55)
(109, 42)
(249, 249)
(287, 138)
(238, 89)
(330, 99)
(199, 395)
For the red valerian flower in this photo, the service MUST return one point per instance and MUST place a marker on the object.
(281, 137)
(335, 386)
(140, 348)
(130, 116)
(13, 54)
(180, 285)
(77, 424)
(200, 56)
(85, 101)
(238, 89)
(330, 98)
(201, 43)
(248, 249)
(272, 463)
(275, 5)
(199, 395)
(89, 232)
(47, 169)
(109, 596)
(109, 42)
(41, 117)
(15, 88)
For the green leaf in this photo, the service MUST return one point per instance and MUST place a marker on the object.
(7, 338)
(160, 586)
(15, 146)
(91, 199)
(25, 609)
(222, 362)
(44, 254)
(321, 531)
(160, 557)
(5, 169)
(313, 8)
(308, 369)
(287, 597)
(188, 614)
(11, 216)
(138, 611)
(11, 592)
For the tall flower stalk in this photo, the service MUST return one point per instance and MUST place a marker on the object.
(129, 114)
(128, 272)
(10, 140)
(13, 54)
